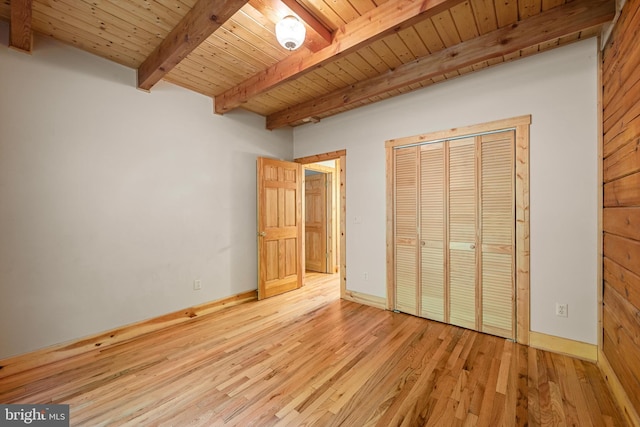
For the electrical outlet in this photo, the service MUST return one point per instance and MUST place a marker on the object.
(197, 285)
(365, 276)
(562, 310)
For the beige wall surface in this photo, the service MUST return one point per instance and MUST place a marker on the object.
(113, 200)
(559, 89)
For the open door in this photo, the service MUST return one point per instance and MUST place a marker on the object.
(280, 243)
(316, 221)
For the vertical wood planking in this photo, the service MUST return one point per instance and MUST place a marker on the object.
(391, 235)
(343, 223)
(522, 233)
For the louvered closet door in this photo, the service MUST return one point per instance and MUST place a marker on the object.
(455, 232)
(406, 226)
(432, 231)
(462, 233)
(497, 223)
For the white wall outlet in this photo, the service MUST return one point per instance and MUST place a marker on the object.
(365, 276)
(197, 285)
(562, 310)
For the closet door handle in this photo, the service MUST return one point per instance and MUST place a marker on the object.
(472, 246)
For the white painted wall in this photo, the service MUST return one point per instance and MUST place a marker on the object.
(113, 200)
(559, 89)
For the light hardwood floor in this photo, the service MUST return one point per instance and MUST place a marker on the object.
(309, 358)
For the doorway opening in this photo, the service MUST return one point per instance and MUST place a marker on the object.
(324, 213)
(321, 205)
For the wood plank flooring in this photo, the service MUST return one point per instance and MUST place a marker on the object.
(308, 358)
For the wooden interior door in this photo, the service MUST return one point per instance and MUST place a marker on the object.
(497, 233)
(280, 243)
(315, 225)
(406, 226)
(433, 232)
(462, 232)
(454, 232)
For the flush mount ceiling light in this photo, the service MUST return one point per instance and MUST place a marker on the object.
(290, 32)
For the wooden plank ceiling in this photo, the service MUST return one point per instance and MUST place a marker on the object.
(356, 51)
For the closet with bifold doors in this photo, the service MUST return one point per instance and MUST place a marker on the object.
(452, 230)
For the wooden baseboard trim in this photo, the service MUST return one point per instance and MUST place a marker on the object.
(578, 349)
(365, 299)
(23, 362)
(619, 395)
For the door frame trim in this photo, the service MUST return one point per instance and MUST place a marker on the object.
(340, 155)
(521, 126)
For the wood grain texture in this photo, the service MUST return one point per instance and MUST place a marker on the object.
(363, 30)
(20, 363)
(317, 35)
(623, 192)
(317, 223)
(620, 59)
(281, 260)
(623, 251)
(199, 23)
(623, 281)
(617, 390)
(623, 162)
(623, 222)
(559, 22)
(523, 234)
(307, 358)
(340, 156)
(317, 28)
(20, 33)
(621, 214)
(506, 261)
(245, 45)
(577, 349)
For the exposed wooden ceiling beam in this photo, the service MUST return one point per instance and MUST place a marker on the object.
(316, 26)
(561, 21)
(392, 16)
(318, 36)
(199, 23)
(20, 34)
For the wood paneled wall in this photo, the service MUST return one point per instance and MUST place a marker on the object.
(621, 214)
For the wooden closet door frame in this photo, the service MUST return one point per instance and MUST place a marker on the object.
(521, 126)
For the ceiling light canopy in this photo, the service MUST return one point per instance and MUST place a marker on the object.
(290, 32)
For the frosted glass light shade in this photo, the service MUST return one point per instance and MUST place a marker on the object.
(290, 32)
